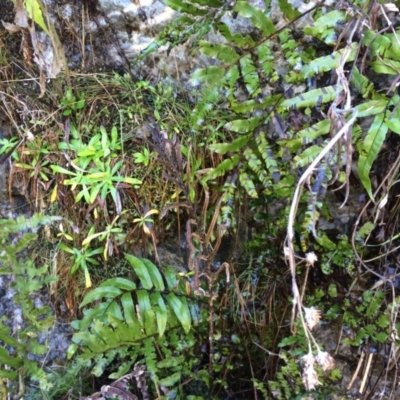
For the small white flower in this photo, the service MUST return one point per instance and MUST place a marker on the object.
(312, 316)
(325, 360)
(311, 258)
(309, 375)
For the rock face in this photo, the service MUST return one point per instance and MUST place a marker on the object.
(111, 34)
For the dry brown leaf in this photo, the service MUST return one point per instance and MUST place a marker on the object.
(11, 27)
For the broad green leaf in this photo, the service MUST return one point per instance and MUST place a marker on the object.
(236, 145)
(141, 271)
(365, 230)
(35, 13)
(99, 293)
(362, 84)
(219, 51)
(91, 237)
(259, 19)
(250, 75)
(393, 124)
(146, 312)
(330, 62)
(121, 283)
(97, 175)
(6, 359)
(369, 150)
(129, 310)
(181, 310)
(382, 45)
(386, 66)
(239, 40)
(307, 135)
(248, 184)
(307, 156)
(244, 125)
(115, 310)
(372, 107)
(12, 375)
(170, 277)
(225, 166)
(210, 3)
(144, 301)
(312, 98)
(210, 75)
(287, 9)
(327, 20)
(154, 274)
(184, 6)
(171, 380)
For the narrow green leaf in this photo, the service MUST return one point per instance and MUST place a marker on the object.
(369, 150)
(61, 170)
(160, 311)
(132, 181)
(99, 293)
(141, 271)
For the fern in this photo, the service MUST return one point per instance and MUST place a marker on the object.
(17, 349)
(135, 319)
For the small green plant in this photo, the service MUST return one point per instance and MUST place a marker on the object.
(17, 348)
(83, 257)
(96, 171)
(106, 235)
(143, 157)
(71, 103)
